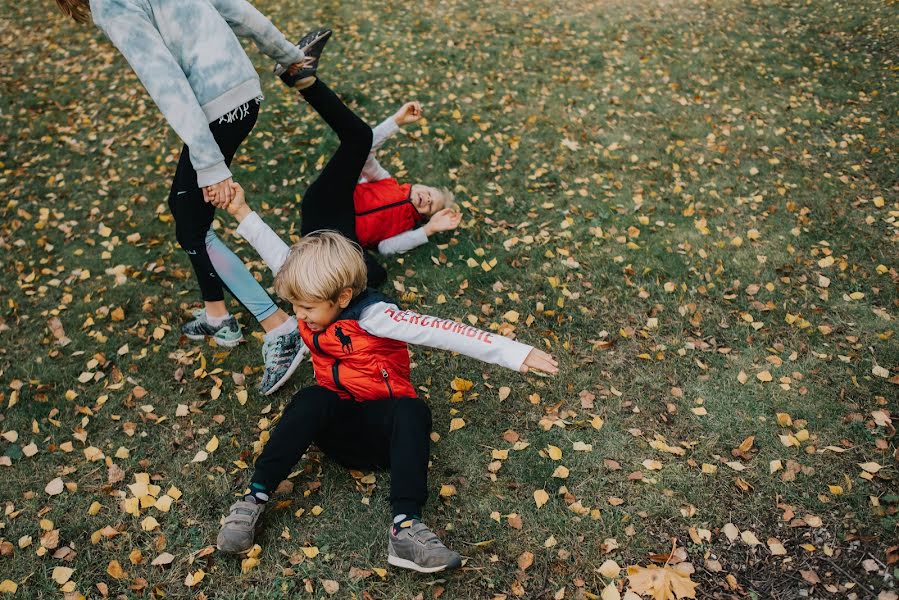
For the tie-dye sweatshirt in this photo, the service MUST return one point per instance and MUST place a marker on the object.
(186, 54)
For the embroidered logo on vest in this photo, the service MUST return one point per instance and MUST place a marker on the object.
(346, 342)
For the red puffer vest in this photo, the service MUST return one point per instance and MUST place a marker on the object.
(383, 210)
(354, 363)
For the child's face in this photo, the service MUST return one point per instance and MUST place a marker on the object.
(426, 200)
(321, 313)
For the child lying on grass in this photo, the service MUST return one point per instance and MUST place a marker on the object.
(364, 412)
(387, 212)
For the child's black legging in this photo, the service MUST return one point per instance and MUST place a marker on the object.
(215, 265)
(328, 203)
(392, 433)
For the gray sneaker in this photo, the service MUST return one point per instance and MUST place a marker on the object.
(416, 547)
(227, 334)
(282, 356)
(239, 528)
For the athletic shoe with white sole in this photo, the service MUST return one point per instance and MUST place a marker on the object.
(282, 356)
(418, 548)
(312, 45)
(227, 334)
(239, 528)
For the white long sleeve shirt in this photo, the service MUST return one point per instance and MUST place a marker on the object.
(373, 171)
(385, 319)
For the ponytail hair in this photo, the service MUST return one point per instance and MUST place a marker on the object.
(76, 9)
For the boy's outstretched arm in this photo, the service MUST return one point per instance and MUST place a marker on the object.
(408, 113)
(387, 320)
(252, 228)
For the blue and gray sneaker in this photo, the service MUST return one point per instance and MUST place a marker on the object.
(282, 356)
(227, 334)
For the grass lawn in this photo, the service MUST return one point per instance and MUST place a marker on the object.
(693, 205)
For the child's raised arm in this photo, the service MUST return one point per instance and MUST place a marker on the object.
(387, 320)
(252, 228)
(408, 113)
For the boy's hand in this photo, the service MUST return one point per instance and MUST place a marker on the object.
(219, 194)
(443, 220)
(238, 207)
(541, 361)
(408, 113)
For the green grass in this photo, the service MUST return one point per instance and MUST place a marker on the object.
(685, 126)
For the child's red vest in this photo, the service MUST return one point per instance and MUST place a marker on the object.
(354, 363)
(383, 209)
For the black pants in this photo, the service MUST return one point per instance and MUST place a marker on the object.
(193, 215)
(376, 434)
(328, 203)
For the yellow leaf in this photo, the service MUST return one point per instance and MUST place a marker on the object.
(457, 423)
(8, 586)
(662, 583)
(61, 574)
(784, 420)
(596, 422)
(193, 579)
(242, 396)
(94, 508)
(504, 392)
(610, 592)
(764, 376)
(652, 465)
(749, 538)
(554, 452)
(310, 551)
(609, 569)
(561, 472)
(540, 498)
(149, 524)
(114, 569)
(461, 385)
(447, 491)
(213, 444)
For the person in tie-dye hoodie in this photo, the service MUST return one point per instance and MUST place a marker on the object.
(187, 56)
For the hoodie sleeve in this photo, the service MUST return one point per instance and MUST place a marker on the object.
(142, 46)
(387, 320)
(246, 21)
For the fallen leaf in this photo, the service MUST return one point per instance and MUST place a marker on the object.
(662, 583)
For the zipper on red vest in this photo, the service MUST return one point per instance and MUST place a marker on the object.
(335, 374)
(386, 377)
(315, 341)
(386, 206)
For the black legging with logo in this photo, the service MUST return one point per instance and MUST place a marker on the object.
(328, 203)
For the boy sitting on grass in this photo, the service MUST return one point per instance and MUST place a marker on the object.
(364, 413)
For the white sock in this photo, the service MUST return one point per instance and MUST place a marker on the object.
(399, 519)
(216, 321)
(283, 329)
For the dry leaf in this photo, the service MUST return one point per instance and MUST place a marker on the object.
(662, 583)
(540, 497)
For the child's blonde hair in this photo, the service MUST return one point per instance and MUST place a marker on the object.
(319, 267)
(77, 9)
(449, 199)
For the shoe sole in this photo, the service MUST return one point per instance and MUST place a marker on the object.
(280, 70)
(223, 343)
(293, 367)
(396, 561)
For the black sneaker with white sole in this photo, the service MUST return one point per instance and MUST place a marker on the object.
(312, 45)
